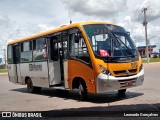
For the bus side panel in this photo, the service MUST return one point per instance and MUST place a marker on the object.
(12, 73)
(54, 72)
(37, 71)
(79, 69)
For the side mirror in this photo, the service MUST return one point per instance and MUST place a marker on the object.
(128, 33)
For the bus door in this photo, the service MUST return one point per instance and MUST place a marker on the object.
(16, 65)
(58, 69)
(54, 61)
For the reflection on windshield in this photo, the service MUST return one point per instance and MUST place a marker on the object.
(106, 44)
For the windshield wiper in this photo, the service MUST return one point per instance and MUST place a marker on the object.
(124, 45)
(120, 41)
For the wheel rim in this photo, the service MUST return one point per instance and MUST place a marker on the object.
(81, 89)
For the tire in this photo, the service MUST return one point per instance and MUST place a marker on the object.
(82, 90)
(31, 88)
(121, 92)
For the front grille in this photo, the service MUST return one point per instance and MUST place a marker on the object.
(125, 75)
(125, 72)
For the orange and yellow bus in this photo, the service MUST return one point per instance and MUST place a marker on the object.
(93, 57)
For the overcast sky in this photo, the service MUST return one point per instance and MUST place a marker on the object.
(20, 18)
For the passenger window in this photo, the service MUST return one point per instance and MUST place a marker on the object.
(39, 49)
(54, 48)
(78, 47)
(26, 51)
(64, 38)
(10, 54)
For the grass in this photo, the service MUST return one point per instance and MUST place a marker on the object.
(3, 70)
(152, 60)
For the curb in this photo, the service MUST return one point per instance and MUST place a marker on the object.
(4, 73)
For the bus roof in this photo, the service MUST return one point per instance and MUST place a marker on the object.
(55, 30)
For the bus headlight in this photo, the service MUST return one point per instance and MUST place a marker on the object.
(104, 70)
(141, 67)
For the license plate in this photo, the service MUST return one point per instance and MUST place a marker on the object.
(128, 83)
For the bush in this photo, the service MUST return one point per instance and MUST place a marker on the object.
(3, 66)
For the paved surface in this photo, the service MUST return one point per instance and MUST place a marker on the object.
(143, 98)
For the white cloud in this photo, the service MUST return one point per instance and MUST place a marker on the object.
(128, 18)
(22, 18)
(102, 9)
(138, 34)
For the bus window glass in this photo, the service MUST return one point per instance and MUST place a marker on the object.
(110, 40)
(65, 37)
(102, 42)
(9, 54)
(26, 46)
(39, 53)
(26, 53)
(79, 49)
(54, 48)
(26, 56)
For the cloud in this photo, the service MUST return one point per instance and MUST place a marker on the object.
(4, 21)
(154, 11)
(103, 8)
(5, 24)
(20, 19)
(31, 17)
(11, 30)
(137, 31)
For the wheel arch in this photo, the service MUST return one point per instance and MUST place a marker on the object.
(26, 78)
(76, 80)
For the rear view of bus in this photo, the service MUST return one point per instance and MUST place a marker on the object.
(118, 64)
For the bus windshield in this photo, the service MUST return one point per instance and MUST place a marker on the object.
(110, 40)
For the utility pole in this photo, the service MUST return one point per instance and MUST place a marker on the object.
(145, 25)
(150, 48)
(70, 21)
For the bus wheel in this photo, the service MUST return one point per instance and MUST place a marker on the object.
(121, 92)
(82, 91)
(31, 88)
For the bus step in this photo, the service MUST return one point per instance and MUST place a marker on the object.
(60, 87)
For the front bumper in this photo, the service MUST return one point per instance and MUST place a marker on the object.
(107, 83)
